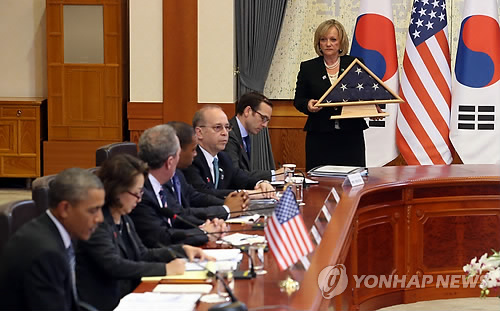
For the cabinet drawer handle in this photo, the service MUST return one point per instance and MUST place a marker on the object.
(18, 113)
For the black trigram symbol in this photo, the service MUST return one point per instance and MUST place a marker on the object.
(469, 119)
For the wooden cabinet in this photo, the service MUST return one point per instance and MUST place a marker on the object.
(21, 135)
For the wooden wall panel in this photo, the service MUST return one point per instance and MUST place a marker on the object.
(55, 154)
(85, 101)
(180, 60)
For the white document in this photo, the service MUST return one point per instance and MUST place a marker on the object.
(158, 302)
(183, 288)
(239, 239)
(243, 219)
(282, 182)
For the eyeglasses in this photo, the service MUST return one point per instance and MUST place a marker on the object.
(218, 128)
(138, 196)
(264, 118)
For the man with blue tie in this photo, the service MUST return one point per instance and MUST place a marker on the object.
(253, 113)
(159, 148)
(37, 267)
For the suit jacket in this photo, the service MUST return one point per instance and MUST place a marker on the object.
(230, 178)
(236, 151)
(312, 83)
(34, 269)
(108, 268)
(153, 228)
(194, 203)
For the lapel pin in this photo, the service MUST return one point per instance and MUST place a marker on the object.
(323, 77)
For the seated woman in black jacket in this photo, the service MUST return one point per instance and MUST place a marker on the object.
(111, 263)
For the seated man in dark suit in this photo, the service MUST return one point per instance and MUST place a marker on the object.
(253, 113)
(212, 170)
(190, 197)
(37, 268)
(159, 148)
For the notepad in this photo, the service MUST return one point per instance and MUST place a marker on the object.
(199, 274)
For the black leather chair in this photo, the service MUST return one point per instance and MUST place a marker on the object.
(105, 152)
(13, 215)
(40, 191)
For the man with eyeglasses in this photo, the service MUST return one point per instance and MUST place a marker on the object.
(253, 113)
(212, 170)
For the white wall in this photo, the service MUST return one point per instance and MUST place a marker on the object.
(146, 58)
(23, 57)
(216, 51)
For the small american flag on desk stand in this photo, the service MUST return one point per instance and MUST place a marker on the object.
(286, 233)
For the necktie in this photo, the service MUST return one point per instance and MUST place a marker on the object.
(177, 188)
(163, 198)
(247, 144)
(70, 252)
(216, 172)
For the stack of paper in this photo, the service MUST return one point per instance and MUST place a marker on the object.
(335, 171)
(243, 219)
(158, 302)
(183, 288)
(239, 239)
(282, 182)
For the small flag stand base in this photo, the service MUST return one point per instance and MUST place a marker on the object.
(359, 111)
(289, 286)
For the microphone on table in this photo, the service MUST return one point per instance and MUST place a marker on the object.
(233, 305)
(237, 274)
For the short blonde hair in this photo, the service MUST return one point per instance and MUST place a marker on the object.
(323, 29)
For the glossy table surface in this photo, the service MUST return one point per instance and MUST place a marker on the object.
(264, 290)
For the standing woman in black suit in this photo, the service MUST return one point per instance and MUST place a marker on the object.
(335, 142)
(111, 263)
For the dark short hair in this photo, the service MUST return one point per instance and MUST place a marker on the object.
(184, 131)
(252, 99)
(72, 185)
(157, 144)
(118, 175)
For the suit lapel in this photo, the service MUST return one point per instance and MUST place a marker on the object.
(201, 162)
(236, 133)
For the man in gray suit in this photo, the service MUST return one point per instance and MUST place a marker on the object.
(37, 267)
(253, 113)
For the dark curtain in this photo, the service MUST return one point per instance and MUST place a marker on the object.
(258, 25)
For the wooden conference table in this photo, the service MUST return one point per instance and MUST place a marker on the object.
(405, 221)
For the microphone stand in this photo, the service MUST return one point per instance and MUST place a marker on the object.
(237, 275)
(233, 305)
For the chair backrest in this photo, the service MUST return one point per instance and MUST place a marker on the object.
(40, 191)
(105, 152)
(13, 215)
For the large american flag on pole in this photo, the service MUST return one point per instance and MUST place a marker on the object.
(286, 233)
(423, 119)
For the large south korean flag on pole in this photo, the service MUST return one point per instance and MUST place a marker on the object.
(475, 111)
(374, 40)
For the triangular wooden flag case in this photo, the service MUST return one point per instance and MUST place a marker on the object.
(358, 90)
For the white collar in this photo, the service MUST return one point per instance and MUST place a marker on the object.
(243, 130)
(210, 159)
(156, 187)
(62, 231)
